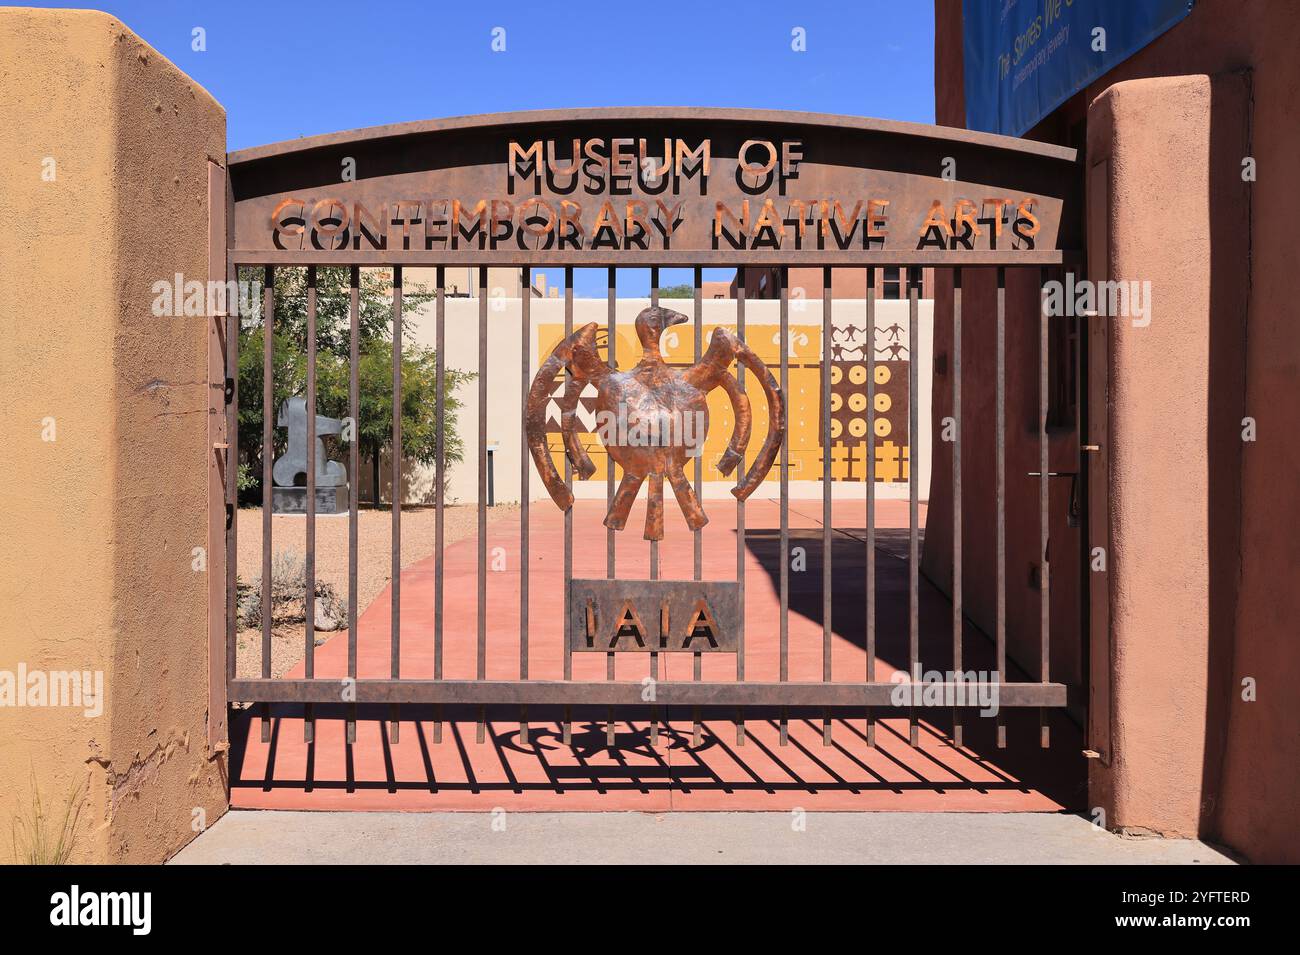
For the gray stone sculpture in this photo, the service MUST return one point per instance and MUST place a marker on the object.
(288, 496)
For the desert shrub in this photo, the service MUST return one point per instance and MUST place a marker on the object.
(288, 588)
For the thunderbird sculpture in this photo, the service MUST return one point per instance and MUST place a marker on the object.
(646, 396)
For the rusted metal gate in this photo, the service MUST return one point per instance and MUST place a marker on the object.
(306, 230)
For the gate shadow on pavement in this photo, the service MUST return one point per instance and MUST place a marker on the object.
(545, 773)
(1061, 773)
(1016, 778)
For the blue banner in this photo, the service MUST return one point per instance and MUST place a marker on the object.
(1024, 58)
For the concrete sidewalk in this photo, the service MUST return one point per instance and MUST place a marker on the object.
(623, 838)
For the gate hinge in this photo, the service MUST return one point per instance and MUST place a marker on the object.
(230, 390)
(230, 515)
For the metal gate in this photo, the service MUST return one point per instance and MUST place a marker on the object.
(656, 699)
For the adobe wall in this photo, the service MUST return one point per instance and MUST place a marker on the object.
(1171, 434)
(1248, 772)
(1254, 807)
(105, 431)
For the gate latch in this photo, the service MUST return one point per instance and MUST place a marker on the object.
(1075, 512)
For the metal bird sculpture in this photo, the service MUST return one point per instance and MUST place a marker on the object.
(645, 396)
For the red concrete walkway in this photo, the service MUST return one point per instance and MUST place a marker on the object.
(458, 773)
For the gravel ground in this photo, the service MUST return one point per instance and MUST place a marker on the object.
(374, 561)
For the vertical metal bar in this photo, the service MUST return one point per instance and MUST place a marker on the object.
(309, 564)
(611, 317)
(223, 466)
(654, 545)
(913, 507)
(957, 618)
(1044, 603)
(568, 515)
(268, 494)
(230, 392)
(480, 732)
(740, 517)
(525, 347)
(611, 313)
(440, 454)
(1000, 492)
(395, 644)
(871, 492)
(828, 517)
(698, 541)
(697, 663)
(354, 469)
(784, 281)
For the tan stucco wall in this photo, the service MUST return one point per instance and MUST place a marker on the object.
(96, 565)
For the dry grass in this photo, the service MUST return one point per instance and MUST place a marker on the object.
(44, 838)
(374, 563)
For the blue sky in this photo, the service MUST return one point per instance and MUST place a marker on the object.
(289, 69)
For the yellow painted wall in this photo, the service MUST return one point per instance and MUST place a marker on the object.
(848, 404)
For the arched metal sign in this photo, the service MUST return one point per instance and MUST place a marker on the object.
(655, 187)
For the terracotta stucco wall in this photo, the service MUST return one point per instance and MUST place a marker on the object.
(1170, 432)
(1249, 776)
(1255, 805)
(97, 569)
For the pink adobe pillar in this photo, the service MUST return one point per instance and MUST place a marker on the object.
(1166, 205)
